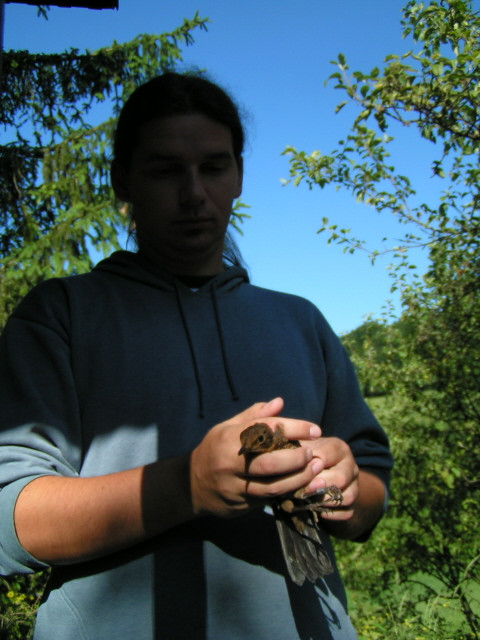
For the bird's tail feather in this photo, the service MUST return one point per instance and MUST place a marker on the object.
(304, 553)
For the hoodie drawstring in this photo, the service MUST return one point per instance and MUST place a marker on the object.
(226, 368)
(196, 370)
(192, 351)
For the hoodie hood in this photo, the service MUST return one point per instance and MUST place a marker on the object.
(133, 266)
(136, 267)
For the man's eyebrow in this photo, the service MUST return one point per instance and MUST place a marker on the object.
(219, 155)
(161, 157)
(156, 156)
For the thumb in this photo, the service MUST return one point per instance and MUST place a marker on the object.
(261, 410)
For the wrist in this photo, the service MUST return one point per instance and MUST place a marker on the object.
(166, 494)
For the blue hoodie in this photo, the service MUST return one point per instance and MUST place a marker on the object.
(125, 365)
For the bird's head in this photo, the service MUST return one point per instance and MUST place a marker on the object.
(256, 439)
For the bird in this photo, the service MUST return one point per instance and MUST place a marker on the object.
(296, 514)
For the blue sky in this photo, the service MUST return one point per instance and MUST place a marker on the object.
(274, 57)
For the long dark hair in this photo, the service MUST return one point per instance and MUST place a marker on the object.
(177, 94)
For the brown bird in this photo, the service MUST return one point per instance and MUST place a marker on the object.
(296, 514)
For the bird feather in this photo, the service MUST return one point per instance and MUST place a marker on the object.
(295, 514)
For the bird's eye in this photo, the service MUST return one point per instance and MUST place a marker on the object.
(261, 438)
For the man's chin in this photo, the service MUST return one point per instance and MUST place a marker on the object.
(198, 254)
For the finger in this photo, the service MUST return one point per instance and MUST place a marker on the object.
(331, 450)
(260, 410)
(344, 476)
(293, 429)
(350, 491)
(278, 463)
(301, 430)
(345, 509)
(272, 408)
(337, 514)
(271, 487)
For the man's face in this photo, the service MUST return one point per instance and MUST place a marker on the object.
(181, 184)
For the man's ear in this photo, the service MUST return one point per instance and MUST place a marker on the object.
(118, 176)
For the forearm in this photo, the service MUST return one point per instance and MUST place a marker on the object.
(64, 520)
(367, 509)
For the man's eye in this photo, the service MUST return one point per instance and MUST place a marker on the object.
(168, 170)
(163, 170)
(213, 168)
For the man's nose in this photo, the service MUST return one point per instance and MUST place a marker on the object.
(192, 190)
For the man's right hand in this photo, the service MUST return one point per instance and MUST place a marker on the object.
(221, 485)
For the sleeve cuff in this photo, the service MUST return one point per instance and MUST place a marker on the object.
(13, 557)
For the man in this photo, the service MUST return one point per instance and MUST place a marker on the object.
(119, 458)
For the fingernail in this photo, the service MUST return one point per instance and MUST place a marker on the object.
(314, 489)
(309, 454)
(315, 431)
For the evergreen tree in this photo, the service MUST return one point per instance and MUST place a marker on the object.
(56, 203)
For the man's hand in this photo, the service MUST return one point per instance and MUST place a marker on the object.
(363, 492)
(220, 485)
(339, 469)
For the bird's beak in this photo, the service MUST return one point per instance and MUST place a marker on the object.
(242, 450)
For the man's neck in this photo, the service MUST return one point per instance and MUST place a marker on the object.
(194, 282)
(186, 268)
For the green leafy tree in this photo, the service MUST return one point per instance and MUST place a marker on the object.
(430, 359)
(56, 203)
